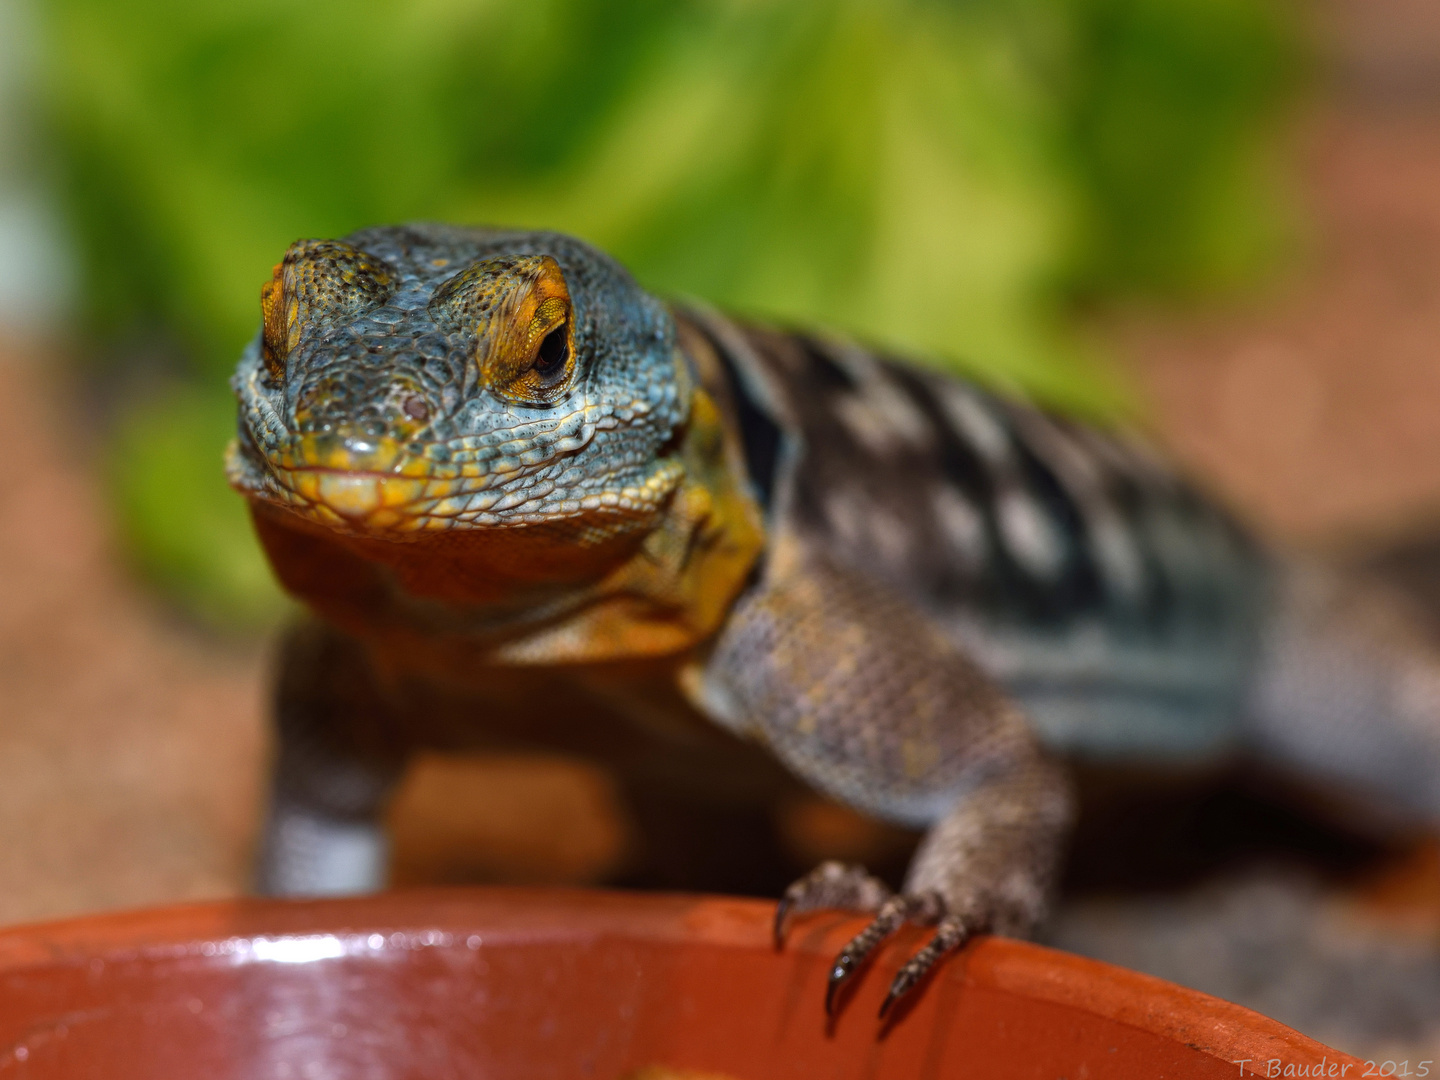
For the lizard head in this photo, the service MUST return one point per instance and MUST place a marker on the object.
(422, 378)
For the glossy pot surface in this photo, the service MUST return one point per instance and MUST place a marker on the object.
(544, 983)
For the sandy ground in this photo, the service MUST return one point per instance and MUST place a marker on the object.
(1313, 407)
(131, 748)
(1315, 412)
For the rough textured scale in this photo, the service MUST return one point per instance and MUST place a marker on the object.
(529, 505)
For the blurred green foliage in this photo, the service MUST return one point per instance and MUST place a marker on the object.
(943, 177)
(185, 530)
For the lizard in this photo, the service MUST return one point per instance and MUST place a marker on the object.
(528, 504)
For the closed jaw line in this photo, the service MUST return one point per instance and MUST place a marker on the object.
(374, 486)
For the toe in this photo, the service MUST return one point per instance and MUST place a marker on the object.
(891, 916)
(950, 934)
(830, 886)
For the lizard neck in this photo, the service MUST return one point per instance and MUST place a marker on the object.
(677, 587)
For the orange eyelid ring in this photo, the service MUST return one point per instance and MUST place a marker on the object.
(548, 316)
(273, 337)
(529, 354)
(316, 276)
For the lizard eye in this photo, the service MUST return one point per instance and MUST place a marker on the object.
(519, 309)
(548, 339)
(317, 279)
(554, 352)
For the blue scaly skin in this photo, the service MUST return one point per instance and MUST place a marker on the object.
(530, 506)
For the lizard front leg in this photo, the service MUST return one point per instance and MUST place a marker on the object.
(861, 695)
(990, 862)
(337, 761)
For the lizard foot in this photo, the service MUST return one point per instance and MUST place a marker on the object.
(835, 885)
(895, 912)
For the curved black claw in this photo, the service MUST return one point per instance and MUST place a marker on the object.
(781, 910)
(891, 916)
(949, 936)
(839, 976)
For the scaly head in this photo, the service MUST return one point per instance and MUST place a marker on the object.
(423, 378)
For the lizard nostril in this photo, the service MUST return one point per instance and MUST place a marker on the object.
(415, 408)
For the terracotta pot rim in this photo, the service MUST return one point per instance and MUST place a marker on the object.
(519, 916)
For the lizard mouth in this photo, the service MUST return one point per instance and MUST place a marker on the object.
(379, 500)
(366, 484)
(387, 487)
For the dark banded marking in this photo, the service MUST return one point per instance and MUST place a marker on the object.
(1104, 497)
(822, 369)
(1078, 585)
(1005, 468)
(1006, 511)
(760, 435)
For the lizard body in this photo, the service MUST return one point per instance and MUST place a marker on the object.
(531, 506)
